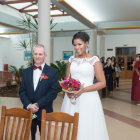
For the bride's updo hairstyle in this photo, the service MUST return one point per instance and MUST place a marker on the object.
(81, 35)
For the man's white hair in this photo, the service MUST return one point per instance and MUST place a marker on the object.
(39, 45)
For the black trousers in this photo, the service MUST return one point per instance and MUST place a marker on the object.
(35, 123)
(117, 80)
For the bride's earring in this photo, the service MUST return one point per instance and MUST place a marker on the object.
(87, 50)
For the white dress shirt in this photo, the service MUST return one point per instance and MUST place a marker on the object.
(36, 76)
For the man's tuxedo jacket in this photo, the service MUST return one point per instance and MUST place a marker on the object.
(46, 90)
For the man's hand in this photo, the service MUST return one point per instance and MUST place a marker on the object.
(33, 107)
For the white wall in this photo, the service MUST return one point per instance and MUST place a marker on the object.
(112, 41)
(4, 51)
(98, 46)
(1, 63)
(64, 43)
(61, 44)
(9, 53)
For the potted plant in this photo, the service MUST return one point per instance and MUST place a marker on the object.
(18, 75)
(61, 66)
(30, 25)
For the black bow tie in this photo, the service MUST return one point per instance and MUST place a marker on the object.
(39, 67)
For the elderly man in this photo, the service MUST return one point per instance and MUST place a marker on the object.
(39, 87)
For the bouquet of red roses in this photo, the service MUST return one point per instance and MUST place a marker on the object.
(70, 85)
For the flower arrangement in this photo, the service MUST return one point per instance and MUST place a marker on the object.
(70, 85)
(43, 76)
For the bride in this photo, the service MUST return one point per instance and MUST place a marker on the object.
(84, 67)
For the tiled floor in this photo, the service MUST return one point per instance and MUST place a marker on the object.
(122, 119)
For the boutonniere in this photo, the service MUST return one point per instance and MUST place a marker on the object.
(43, 76)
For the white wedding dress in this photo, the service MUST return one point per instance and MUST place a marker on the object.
(91, 117)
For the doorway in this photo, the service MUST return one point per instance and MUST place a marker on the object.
(125, 57)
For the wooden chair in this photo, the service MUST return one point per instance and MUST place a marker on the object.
(15, 124)
(59, 126)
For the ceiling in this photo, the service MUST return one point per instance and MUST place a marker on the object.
(30, 7)
(103, 15)
(108, 13)
(113, 10)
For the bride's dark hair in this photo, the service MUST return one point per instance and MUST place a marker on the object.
(81, 35)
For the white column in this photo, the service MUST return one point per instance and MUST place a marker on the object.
(93, 42)
(44, 26)
(102, 46)
(51, 50)
(98, 46)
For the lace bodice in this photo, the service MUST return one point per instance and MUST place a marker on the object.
(82, 69)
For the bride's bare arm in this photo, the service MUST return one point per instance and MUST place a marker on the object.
(68, 69)
(99, 73)
(67, 75)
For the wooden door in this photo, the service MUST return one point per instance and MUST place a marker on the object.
(125, 57)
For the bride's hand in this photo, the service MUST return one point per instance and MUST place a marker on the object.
(79, 93)
(70, 95)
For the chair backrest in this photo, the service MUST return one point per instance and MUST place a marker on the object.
(15, 124)
(59, 126)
